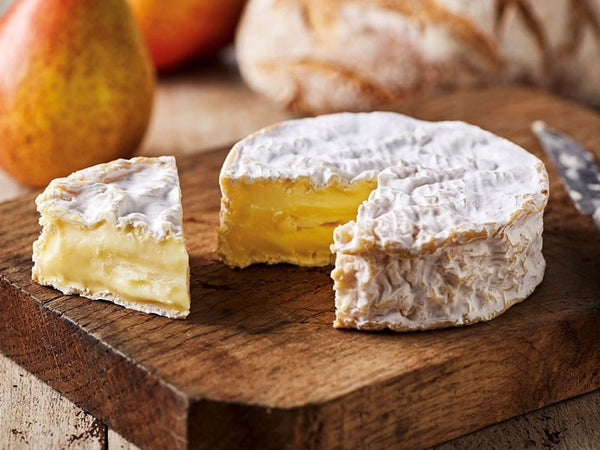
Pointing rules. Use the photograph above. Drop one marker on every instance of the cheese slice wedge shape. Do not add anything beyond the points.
(114, 232)
(430, 224)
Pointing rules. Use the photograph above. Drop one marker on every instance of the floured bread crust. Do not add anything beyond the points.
(319, 56)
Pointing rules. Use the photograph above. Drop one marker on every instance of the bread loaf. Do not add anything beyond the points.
(318, 56)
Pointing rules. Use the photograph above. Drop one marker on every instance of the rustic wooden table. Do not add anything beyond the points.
(203, 109)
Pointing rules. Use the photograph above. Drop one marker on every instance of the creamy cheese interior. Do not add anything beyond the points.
(285, 220)
(121, 265)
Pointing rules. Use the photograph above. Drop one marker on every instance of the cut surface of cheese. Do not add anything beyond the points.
(285, 220)
(449, 223)
(114, 232)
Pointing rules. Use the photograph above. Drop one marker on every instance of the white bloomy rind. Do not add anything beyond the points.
(137, 192)
(453, 233)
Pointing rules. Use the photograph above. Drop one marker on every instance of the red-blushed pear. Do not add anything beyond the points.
(180, 30)
(76, 86)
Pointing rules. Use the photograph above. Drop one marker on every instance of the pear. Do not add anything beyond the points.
(76, 86)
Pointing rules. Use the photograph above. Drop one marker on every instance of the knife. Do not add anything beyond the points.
(576, 166)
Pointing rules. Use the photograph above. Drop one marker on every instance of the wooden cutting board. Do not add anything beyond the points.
(258, 363)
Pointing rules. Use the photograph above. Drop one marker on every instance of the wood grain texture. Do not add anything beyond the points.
(67, 426)
(258, 363)
(117, 442)
(36, 416)
(568, 425)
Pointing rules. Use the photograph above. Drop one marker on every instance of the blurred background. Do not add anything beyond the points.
(199, 104)
(212, 72)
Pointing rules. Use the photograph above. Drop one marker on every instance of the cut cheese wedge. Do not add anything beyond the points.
(430, 224)
(114, 232)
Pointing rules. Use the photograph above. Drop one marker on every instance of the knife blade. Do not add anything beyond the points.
(576, 166)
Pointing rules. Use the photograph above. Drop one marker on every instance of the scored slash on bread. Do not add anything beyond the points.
(319, 56)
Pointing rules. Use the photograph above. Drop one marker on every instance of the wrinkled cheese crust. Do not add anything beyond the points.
(451, 234)
(456, 284)
(113, 232)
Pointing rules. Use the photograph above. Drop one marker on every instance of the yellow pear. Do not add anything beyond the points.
(76, 86)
